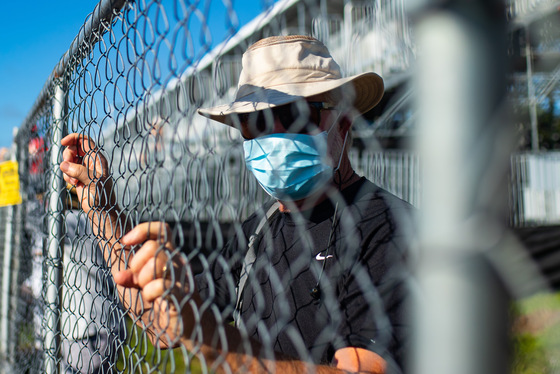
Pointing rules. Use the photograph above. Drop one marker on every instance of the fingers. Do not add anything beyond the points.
(146, 253)
(125, 278)
(147, 230)
(149, 261)
(75, 173)
(81, 142)
(153, 269)
(70, 153)
(72, 181)
(71, 139)
(152, 288)
(157, 288)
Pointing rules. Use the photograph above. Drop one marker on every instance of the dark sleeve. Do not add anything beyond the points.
(373, 295)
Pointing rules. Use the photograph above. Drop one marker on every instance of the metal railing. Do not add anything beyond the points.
(524, 11)
(535, 187)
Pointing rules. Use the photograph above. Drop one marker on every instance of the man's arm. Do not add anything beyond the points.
(86, 168)
(346, 360)
(222, 346)
(238, 360)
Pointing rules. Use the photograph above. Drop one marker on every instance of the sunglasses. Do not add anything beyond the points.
(303, 117)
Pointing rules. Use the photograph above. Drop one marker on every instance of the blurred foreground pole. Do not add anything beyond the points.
(464, 145)
(55, 239)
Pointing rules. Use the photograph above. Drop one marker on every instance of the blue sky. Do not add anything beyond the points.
(36, 33)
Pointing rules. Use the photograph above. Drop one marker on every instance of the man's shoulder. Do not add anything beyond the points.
(385, 221)
(368, 195)
(376, 210)
(251, 222)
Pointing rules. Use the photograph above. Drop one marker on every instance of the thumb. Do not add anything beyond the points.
(125, 278)
(75, 171)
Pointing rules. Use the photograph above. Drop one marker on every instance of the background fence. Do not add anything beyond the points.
(132, 81)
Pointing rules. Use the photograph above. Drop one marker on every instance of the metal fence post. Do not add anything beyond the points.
(9, 280)
(464, 144)
(6, 338)
(55, 238)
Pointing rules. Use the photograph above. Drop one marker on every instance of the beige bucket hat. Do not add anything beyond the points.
(283, 69)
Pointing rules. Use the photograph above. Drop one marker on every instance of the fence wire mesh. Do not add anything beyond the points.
(130, 86)
(181, 293)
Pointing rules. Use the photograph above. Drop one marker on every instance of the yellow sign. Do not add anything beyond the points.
(9, 183)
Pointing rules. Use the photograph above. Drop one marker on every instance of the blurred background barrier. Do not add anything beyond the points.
(132, 80)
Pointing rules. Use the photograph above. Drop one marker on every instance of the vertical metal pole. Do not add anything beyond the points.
(54, 250)
(461, 319)
(5, 328)
(15, 291)
(531, 92)
(9, 285)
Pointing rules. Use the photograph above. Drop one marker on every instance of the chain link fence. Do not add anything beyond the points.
(129, 86)
(131, 82)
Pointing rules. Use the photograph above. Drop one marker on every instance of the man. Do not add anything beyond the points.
(316, 281)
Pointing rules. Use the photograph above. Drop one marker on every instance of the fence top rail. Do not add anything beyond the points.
(538, 154)
(90, 32)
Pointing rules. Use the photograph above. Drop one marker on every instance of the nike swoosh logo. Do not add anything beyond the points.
(320, 257)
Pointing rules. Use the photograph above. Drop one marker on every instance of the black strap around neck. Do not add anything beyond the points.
(250, 258)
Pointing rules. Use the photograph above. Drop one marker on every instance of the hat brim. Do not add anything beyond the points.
(364, 91)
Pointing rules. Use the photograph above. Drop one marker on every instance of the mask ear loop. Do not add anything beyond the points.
(335, 170)
(341, 153)
(343, 144)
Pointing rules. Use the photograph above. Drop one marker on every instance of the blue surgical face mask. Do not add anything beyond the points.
(289, 166)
